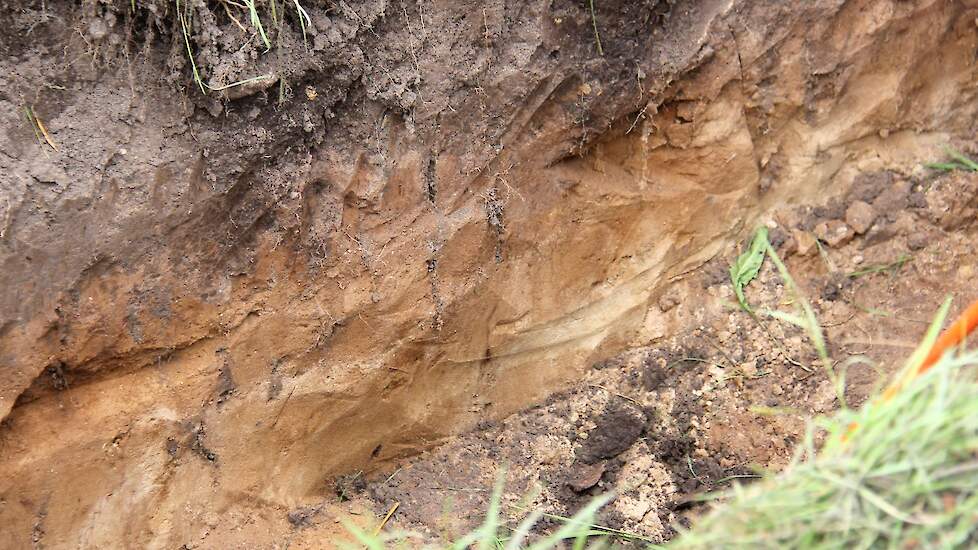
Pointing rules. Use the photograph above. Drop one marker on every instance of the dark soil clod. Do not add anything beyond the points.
(617, 429)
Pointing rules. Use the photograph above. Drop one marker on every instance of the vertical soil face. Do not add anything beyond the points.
(411, 218)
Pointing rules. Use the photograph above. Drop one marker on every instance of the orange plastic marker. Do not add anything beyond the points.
(951, 337)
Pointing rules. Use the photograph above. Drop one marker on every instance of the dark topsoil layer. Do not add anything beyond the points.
(118, 75)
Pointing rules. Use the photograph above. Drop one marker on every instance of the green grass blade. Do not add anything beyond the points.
(944, 166)
(965, 161)
(490, 525)
(572, 527)
(881, 268)
(371, 542)
(256, 22)
(787, 318)
(186, 41)
(523, 530)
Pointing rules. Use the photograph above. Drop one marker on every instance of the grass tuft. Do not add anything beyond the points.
(906, 478)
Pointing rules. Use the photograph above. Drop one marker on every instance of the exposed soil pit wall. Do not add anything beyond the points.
(215, 304)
